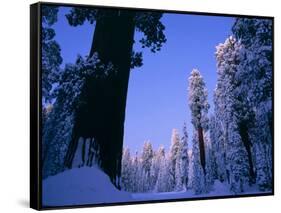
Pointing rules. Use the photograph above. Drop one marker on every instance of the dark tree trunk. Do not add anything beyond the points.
(102, 115)
(243, 130)
(202, 148)
(270, 124)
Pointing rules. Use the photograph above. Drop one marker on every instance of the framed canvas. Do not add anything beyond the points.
(134, 105)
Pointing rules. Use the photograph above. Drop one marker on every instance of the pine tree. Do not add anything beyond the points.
(104, 100)
(173, 160)
(51, 53)
(51, 61)
(178, 170)
(146, 163)
(158, 157)
(210, 163)
(126, 170)
(57, 132)
(199, 107)
(237, 165)
(161, 183)
(231, 109)
(184, 165)
(218, 147)
(255, 79)
(246, 75)
(135, 178)
(197, 175)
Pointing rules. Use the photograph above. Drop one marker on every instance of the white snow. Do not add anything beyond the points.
(79, 186)
(219, 189)
(89, 185)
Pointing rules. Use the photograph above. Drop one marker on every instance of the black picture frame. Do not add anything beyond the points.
(36, 106)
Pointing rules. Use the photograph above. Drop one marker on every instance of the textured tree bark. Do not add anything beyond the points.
(270, 124)
(102, 115)
(202, 148)
(243, 130)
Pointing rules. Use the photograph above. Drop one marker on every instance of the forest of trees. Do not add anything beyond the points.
(84, 107)
(234, 143)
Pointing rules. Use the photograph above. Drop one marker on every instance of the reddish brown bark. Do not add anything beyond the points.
(202, 148)
(244, 133)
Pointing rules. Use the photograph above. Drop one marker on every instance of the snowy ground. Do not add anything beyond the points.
(219, 189)
(87, 185)
(91, 186)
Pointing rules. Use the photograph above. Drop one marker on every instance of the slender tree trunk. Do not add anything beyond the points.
(202, 148)
(243, 129)
(270, 124)
(102, 115)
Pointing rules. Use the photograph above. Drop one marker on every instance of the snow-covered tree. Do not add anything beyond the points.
(178, 170)
(228, 58)
(135, 177)
(230, 102)
(197, 174)
(158, 157)
(255, 80)
(210, 163)
(218, 146)
(146, 163)
(255, 71)
(51, 61)
(161, 183)
(174, 158)
(51, 57)
(199, 107)
(184, 163)
(244, 94)
(126, 171)
(58, 128)
(237, 165)
(104, 100)
(243, 101)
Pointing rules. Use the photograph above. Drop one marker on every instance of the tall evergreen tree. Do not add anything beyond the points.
(58, 127)
(174, 160)
(199, 107)
(184, 166)
(237, 165)
(136, 173)
(161, 183)
(210, 163)
(254, 77)
(178, 170)
(146, 165)
(197, 175)
(126, 170)
(219, 146)
(51, 53)
(156, 165)
(232, 95)
(51, 61)
(105, 102)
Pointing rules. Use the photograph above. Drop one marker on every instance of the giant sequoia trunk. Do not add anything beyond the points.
(202, 148)
(100, 120)
(243, 130)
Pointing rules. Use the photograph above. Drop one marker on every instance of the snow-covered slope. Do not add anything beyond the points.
(86, 185)
(219, 189)
(89, 185)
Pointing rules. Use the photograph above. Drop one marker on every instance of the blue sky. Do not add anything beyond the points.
(157, 95)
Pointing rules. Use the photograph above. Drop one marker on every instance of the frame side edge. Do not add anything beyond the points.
(34, 97)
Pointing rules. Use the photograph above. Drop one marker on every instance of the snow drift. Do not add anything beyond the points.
(89, 185)
(80, 186)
